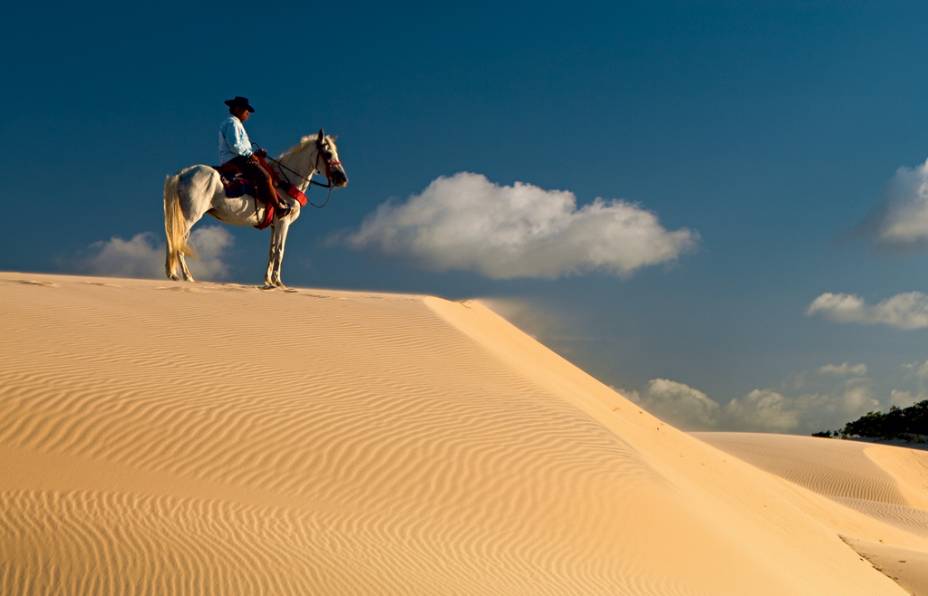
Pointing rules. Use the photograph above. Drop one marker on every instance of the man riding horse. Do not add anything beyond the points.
(237, 154)
(198, 190)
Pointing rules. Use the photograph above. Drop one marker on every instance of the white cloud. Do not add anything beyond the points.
(762, 410)
(903, 218)
(921, 370)
(142, 256)
(136, 257)
(838, 307)
(678, 404)
(467, 222)
(904, 399)
(210, 244)
(772, 411)
(908, 310)
(844, 369)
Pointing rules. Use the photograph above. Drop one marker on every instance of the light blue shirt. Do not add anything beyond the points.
(233, 140)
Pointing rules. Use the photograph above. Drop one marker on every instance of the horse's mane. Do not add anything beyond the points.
(304, 142)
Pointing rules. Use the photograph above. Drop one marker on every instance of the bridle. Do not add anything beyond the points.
(328, 162)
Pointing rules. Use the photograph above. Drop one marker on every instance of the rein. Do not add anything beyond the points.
(309, 179)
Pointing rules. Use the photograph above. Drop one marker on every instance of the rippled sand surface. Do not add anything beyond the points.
(166, 438)
(888, 483)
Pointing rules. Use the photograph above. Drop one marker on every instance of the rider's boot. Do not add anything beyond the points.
(283, 207)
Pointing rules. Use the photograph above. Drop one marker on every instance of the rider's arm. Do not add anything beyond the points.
(237, 138)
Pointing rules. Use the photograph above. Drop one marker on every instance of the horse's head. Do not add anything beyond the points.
(328, 158)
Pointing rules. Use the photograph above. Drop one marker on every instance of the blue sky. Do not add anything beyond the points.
(771, 130)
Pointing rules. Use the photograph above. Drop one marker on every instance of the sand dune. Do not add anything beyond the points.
(907, 567)
(156, 438)
(888, 483)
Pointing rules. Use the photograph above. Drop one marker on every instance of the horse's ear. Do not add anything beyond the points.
(321, 135)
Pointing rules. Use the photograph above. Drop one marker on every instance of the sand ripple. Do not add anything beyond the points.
(221, 439)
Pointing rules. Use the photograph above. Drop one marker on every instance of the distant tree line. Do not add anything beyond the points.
(907, 424)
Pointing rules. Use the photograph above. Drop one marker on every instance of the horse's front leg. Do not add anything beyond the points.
(284, 227)
(273, 251)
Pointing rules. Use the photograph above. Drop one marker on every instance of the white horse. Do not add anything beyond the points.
(197, 190)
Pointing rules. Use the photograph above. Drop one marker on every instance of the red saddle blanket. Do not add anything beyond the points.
(270, 210)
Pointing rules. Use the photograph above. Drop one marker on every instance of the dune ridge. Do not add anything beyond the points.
(156, 438)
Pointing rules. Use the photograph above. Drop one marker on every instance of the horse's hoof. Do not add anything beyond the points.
(268, 286)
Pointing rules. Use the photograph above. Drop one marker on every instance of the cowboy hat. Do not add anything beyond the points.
(239, 101)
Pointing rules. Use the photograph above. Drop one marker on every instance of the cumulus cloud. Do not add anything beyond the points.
(762, 410)
(466, 222)
(918, 369)
(844, 370)
(903, 216)
(143, 256)
(903, 399)
(136, 257)
(678, 404)
(210, 244)
(767, 410)
(908, 310)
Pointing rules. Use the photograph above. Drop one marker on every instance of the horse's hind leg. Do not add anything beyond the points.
(185, 249)
(173, 221)
(170, 267)
(194, 200)
(185, 270)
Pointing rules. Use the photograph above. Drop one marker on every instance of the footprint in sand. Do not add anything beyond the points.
(179, 289)
(101, 284)
(34, 282)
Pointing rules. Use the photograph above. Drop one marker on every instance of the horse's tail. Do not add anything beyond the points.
(175, 226)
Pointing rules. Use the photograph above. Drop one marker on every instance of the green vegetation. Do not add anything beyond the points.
(907, 424)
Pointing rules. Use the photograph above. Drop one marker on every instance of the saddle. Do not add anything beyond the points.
(236, 184)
